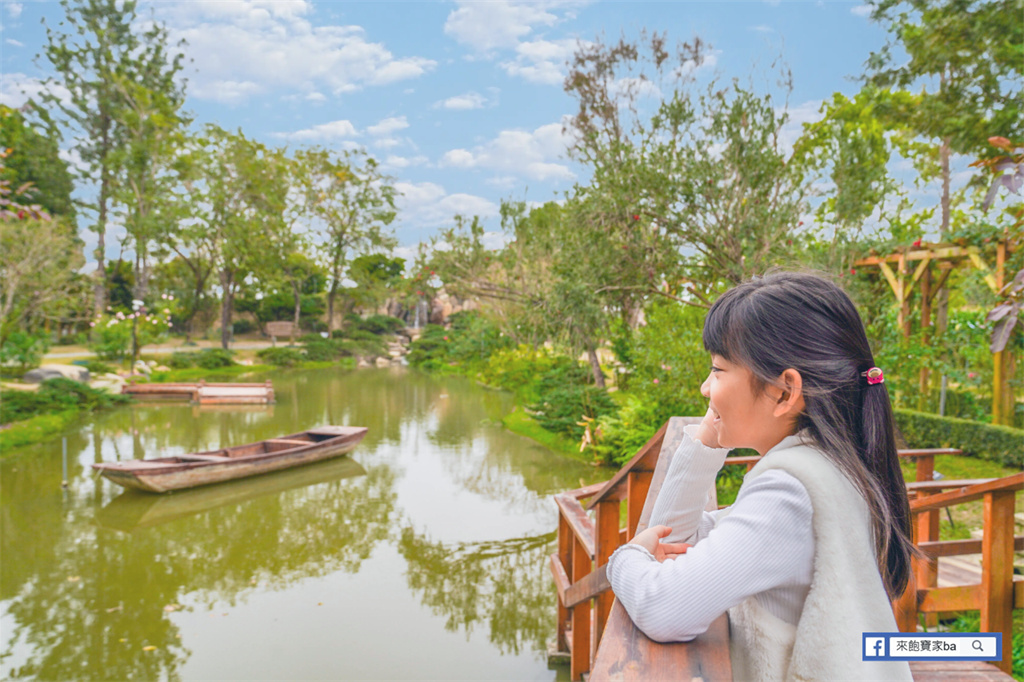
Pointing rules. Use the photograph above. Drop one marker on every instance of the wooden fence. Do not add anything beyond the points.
(601, 640)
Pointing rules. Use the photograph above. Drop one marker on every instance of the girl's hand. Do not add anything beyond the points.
(650, 540)
(706, 432)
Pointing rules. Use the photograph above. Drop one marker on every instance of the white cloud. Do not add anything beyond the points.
(487, 26)
(388, 125)
(404, 162)
(266, 44)
(17, 88)
(316, 97)
(861, 10)
(541, 61)
(469, 100)
(762, 28)
(15, 43)
(533, 155)
(14, 9)
(426, 204)
(325, 131)
(227, 91)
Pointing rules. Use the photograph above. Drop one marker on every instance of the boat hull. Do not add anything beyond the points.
(177, 473)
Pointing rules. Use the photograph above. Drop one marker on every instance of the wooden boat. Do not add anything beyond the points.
(227, 464)
(133, 510)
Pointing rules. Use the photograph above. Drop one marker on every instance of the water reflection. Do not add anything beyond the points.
(96, 583)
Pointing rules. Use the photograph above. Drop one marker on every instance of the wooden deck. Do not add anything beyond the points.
(204, 393)
(601, 641)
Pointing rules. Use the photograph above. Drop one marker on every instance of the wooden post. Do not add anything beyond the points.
(904, 296)
(906, 605)
(997, 571)
(926, 322)
(638, 483)
(564, 556)
(606, 527)
(579, 661)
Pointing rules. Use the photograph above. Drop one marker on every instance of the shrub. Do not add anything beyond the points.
(214, 358)
(52, 396)
(1000, 444)
(180, 360)
(382, 324)
(519, 370)
(280, 356)
(566, 398)
(23, 350)
(431, 351)
(243, 326)
(97, 367)
(327, 350)
(114, 333)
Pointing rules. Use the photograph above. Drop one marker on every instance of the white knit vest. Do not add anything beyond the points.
(846, 596)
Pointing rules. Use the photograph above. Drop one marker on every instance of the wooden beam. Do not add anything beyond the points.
(957, 598)
(561, 578)
(587, 588)
(891, 277)
(578, 521)
(579, 660)
(959, 547)
(968, 494)
(638, 483)
(975, 255)
(606, 524)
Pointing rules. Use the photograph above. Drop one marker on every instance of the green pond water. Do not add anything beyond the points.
(422, 555)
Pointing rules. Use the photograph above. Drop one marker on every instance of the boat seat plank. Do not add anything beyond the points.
(289, 441)
(204, 458)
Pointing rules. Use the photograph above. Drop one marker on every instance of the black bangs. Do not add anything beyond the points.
(723, 326)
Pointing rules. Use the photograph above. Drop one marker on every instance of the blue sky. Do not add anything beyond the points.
(461, 101)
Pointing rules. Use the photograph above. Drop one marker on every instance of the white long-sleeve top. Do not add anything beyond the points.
(763, 548)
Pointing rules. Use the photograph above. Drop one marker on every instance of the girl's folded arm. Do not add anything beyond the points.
(684, 492)
(766, 541)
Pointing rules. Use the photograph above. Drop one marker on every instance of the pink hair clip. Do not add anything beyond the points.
(874, 376)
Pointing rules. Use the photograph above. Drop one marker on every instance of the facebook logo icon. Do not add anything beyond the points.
(874, 647)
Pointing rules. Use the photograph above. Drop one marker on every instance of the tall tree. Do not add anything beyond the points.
(677, 169)
(350, 203)
(97, 46)
(242, 188)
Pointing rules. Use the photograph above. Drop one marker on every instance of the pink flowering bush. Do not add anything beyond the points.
(113, 337)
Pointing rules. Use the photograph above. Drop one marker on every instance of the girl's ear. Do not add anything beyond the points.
(791, 402)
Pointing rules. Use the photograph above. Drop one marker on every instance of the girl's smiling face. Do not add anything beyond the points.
(743, 416)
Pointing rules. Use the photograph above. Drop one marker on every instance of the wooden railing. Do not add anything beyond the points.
(598, 634)
(998, 593)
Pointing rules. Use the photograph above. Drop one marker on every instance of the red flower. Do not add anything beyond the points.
(852, 271)
(800, 224)
(21, 215)
(636, 217)
(917, 243)
(419, 293)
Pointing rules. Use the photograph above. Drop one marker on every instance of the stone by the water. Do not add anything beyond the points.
(44, 372)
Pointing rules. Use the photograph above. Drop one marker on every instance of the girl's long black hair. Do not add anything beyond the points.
(805, 322)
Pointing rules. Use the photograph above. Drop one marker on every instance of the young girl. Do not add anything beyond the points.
(818, 540)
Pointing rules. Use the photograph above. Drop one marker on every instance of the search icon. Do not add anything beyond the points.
(976, 645)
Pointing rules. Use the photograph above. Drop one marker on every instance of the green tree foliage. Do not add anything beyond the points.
(34, 158)
(377, 277)
(96, 51)
(351, 203)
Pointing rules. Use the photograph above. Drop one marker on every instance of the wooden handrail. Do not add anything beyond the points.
(641, 461)
(578, 521)
(968, 494)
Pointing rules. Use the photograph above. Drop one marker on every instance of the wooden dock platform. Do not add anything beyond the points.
(203, 393)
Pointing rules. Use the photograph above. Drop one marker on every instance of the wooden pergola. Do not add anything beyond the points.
(927, 267)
